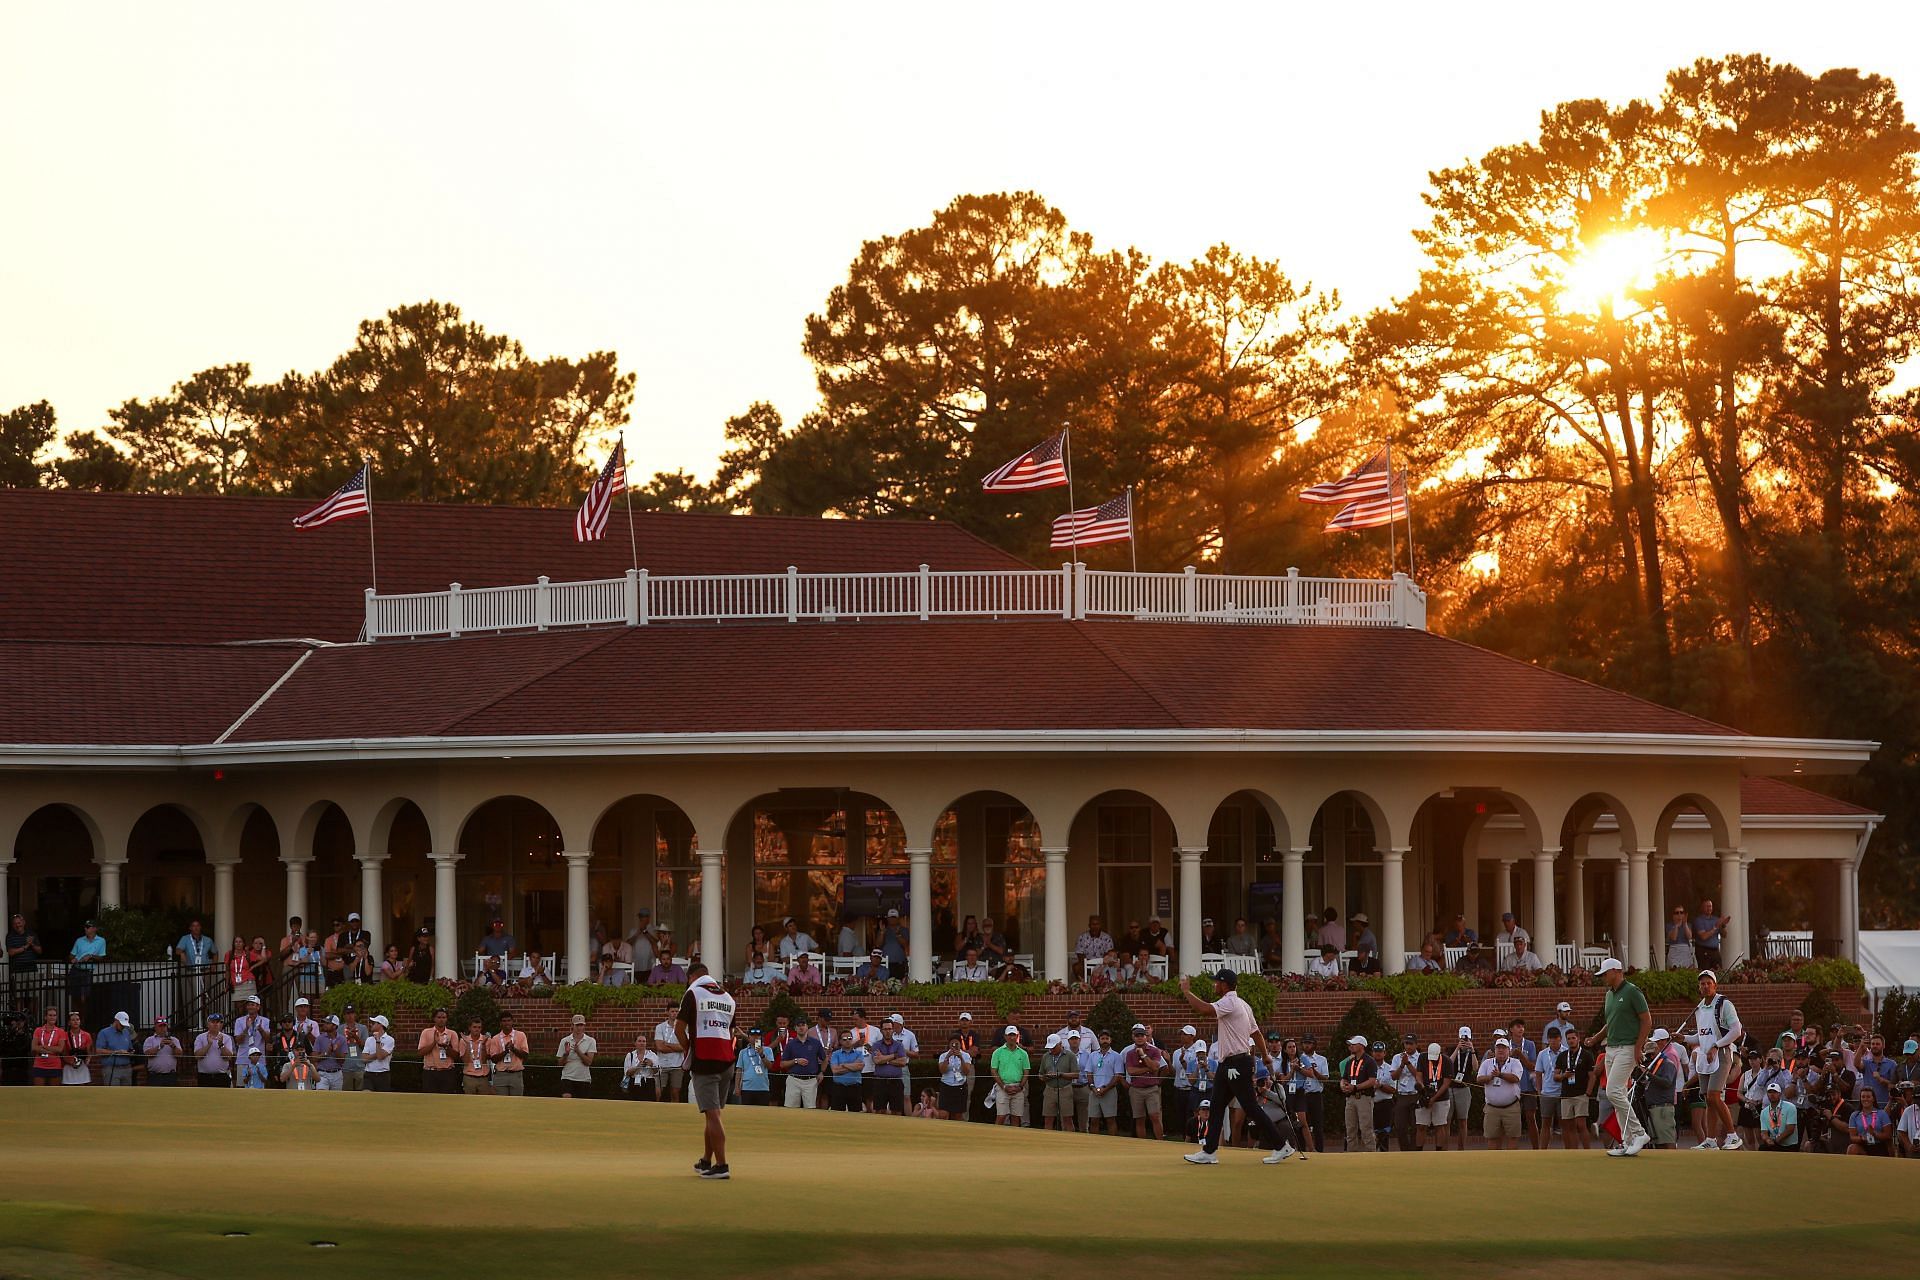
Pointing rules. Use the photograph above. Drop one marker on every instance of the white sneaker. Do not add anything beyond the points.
(1638, 1145)
(1708, 1145)
(1286, 1152)
(1200, 1157)
(1617, 1151)
(1732, 1143)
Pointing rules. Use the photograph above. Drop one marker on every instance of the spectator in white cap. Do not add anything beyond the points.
(1499, 1078)
(875, 969)
(379, 1055)
(114, 1045)
(251, 1030)
(251, 1071)
(1717, 1031)
(1059, 1068)
(1563, 1019)
(303, 1023)
(1143, 1064)
(1660, 1087)
(1463, 1069)
(1189, 1079)
(1358, 1083)
(1625, 1024)
(1524, 959)
(1779, 1121)
(1364, 945)
(1433, 1114)
(904, 1032)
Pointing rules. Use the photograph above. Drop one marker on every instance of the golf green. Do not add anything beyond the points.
(148, 1182)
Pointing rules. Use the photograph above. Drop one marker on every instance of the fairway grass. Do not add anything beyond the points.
(126, 1183)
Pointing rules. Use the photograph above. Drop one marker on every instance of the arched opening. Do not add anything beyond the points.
(644, 859)
(1240, 875)
(53, 881)
(1597, 834)
(1127, 838)
(333, 877)
(1345, 840)
(834, 860)
(1470, 846)
(987, 865)
(1691, 834)
(406, 882)
(167, 865)
(510, 869)
(260, 881)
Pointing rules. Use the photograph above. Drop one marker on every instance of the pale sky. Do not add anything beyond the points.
(187, 185)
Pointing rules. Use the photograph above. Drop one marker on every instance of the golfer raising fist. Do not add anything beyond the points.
(1238, 1039)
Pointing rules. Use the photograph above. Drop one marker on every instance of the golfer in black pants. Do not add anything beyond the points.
(1238, 1039)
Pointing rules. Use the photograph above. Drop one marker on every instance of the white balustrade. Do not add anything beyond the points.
(1073, 591)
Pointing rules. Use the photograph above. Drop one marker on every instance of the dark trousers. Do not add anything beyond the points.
(1187, 1103)
(379, 1082)
(1234, 1080)
(161, 1079)
(1311, 1107)
(439, 1081)
(215, 1080)
(1404, 1105)
(845, 1097)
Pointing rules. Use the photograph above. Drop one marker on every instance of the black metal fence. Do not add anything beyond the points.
(144, 991)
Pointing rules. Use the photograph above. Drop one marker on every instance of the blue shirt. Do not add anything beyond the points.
(1876, 1074)
(1700, 925)
(1549, 1087)
(112, 1042)
(891, 1048)
(199, 950)
(1527, 1054)
(869, 972)
(251, 1075)
(85, 947)
(753, 1062)
(847, 1064)
(1099, 1067)
(805, 1056)
(326, 1052)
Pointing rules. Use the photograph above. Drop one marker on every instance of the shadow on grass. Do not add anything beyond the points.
(61, 1242)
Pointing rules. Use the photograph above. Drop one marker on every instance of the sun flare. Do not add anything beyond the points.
(1609, 271)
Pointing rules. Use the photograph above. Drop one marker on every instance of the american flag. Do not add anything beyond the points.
(1375, 510)
(1111, 521)
(591, 522)
(350, 499)
(1365, 480)
(1042, 467)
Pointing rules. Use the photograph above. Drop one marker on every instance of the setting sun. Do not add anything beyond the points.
(1612, 269)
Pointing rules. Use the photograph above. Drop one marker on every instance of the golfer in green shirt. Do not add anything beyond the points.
(1011, 1065)
(1625, 1024)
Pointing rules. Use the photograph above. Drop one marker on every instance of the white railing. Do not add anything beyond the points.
(1071, 591)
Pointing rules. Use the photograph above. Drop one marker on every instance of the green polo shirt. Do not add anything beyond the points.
(1010, 1064)
(1622, 1016)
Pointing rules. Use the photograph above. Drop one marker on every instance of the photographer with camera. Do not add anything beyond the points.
(1434, 1102)
(1307, 1097)
(1358, 1084)
(1403, 1074)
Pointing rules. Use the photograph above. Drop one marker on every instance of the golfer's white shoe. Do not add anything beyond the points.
(1286, 1152)
(1616, 1151)
(1201, 1157)
(1638, 1145)
(1708, 1145)
(1732, 1143)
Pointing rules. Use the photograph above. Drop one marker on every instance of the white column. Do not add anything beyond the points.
(1544, 926)
(1393, 910)
(713, 920)
(297, 890)
(1849, 939)
(1502, 891)
(1622, 908)
(1293, 918)
(373, 902)
(579, 943)
(1055, 943)
(224, 925)
(1577, 901)
(1470, 888)
(110, 882)
(920, 917)
(6, 907)
(1728, 903)
(1657, 909)
(1637, 909)
(1745, 922)
(446, 927)
(1188, 909)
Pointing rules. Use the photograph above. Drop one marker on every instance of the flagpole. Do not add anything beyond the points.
(1393, 540)
(1073, 531)
(1412, 572)
(373, 555)
(633, 543)
(1133, 544)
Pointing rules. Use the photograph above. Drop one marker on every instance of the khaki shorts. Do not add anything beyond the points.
(1662, 1126)
(1103, 1106)
(1146, 1102)
(1435, 1116)
(1574, 1107)
(1502, 1122)
(1717, 1082)
(712, 1089)
(1550, 1111)
(476, 1084)
(1056, 1103)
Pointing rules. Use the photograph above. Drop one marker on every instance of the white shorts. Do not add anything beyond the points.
(1435, 1116)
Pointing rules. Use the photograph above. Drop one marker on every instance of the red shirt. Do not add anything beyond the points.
(49, 1047)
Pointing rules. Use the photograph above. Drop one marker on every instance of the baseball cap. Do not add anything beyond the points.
(1360, 917)
(1610, 965)
(1774, 1087)
(1208, 920)
(1139, 1028)
(1433, 1051)
(423, 932)
(302, 1000)
(1708, 975)
(121, 1019)
(1273, 1037)
(352, 916)
(1911, 1046)
(893, 913)
(1011, 1031)
(965, 1016)
(159, 1019)
(380, 1018)
(1356, 1039)
(1206, 1104)
(1227, 976)
(1563, 1007)
(1379, 1044)
(1189, 1030)
(896, 1020)
(579, 1019)
(1073, 1035)
(214, 1017)
(1503, 1043)
(1660, 1034)
(1053, 1042)
(254, 1052)
(1408, 1038)
(1466, 1033)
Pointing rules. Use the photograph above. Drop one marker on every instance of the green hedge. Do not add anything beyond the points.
(384, 998)
(1410, 991)
(1007, 997)
(1831, 974)
(1256, 989)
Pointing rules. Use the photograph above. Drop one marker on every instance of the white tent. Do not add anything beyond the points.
(1890, 959)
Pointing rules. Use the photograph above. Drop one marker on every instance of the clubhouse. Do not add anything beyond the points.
(200, 706)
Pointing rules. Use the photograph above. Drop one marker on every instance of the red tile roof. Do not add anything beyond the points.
(1039, 674)
(131, 694)
(199, 569)
(1771, 796)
